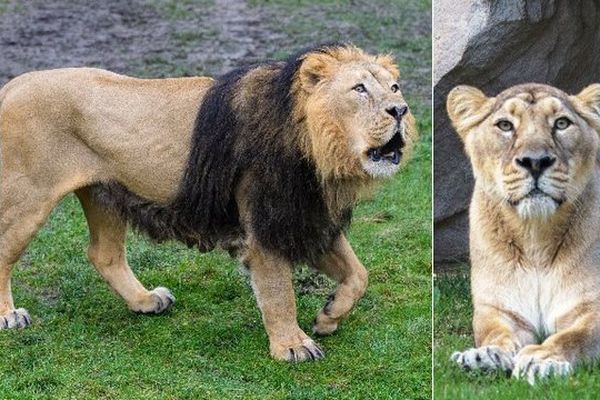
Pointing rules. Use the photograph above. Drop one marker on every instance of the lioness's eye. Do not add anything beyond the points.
(562, 123)
(395, 87)
(505, 125)
(360, 88)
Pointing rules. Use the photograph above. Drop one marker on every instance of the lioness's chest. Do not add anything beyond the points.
(541, 297)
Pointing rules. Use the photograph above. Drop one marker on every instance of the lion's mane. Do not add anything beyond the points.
(259, 137)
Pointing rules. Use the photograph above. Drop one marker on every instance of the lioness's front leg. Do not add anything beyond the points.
(560, 352)
(342, 265)
(272, 283)
(499, 334)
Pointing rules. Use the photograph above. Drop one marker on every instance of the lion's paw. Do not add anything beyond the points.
(323, 324)
(539, 365)
(307, 350)
(18, 318)
(159, 300)
(485, 358)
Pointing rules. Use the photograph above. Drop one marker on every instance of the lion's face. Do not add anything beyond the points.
(532, 147)
(359, 118)
(370, 109)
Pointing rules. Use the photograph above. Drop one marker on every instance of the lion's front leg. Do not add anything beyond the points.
(107, 252)
(499, 334)
(559, 353)
(272, 283)
(342, 265)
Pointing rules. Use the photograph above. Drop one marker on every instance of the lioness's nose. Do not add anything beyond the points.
(397, 111)
(536, 164)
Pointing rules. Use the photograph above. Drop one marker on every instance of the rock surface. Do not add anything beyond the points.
(494, 45)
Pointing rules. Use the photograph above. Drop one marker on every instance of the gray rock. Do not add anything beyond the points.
(498, 44)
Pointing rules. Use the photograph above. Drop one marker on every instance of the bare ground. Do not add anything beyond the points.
(175, 38)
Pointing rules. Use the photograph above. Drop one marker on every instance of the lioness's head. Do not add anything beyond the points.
(532, 147)
(359, 123)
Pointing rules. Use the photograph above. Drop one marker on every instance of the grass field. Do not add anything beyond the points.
(85, 344)
(453, 332)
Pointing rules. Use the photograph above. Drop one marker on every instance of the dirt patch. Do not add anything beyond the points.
(131, 37)
(178, 38)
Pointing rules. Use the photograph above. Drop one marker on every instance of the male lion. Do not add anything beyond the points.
(265, 162)
(535, 227)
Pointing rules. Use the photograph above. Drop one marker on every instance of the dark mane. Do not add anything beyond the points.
(256, 140)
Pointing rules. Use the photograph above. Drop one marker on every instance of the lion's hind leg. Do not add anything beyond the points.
(342, 265)
(24, 209)
(107, 253)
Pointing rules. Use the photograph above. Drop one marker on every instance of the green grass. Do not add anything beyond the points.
(9, 6)
(453, 332)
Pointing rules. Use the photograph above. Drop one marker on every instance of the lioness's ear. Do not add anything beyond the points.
(465, 105)
(387, 62)
(316, 67)
(587, 105)
(589, 98)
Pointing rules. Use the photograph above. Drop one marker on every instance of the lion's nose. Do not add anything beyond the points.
(535, 163)
(397, 112)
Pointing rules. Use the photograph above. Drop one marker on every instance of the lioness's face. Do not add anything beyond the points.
(361, 121)
(532, 147)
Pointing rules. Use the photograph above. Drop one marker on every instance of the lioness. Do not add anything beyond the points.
(534, 227)
(265, 162)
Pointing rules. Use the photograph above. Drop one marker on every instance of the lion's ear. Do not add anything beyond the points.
(316, 67)
(387, 62)
(465, 105)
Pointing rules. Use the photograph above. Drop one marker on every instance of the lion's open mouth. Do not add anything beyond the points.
(391, 151)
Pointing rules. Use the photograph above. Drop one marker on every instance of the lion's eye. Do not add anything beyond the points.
(505, 125)
(395, 87)
(562, 123)
(360, 88)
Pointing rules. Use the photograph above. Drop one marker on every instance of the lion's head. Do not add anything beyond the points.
(359, 124)
(532, 147)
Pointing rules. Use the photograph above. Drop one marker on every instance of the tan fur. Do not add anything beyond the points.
(535, 275)
(64, 130)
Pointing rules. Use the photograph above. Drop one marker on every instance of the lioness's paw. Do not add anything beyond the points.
(307, 350)
(158, 300)
(485, 358)
(18, 318)
(535, 364)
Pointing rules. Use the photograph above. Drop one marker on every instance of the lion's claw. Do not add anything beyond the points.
(18, 318)
(308, 351)
(159, 300)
